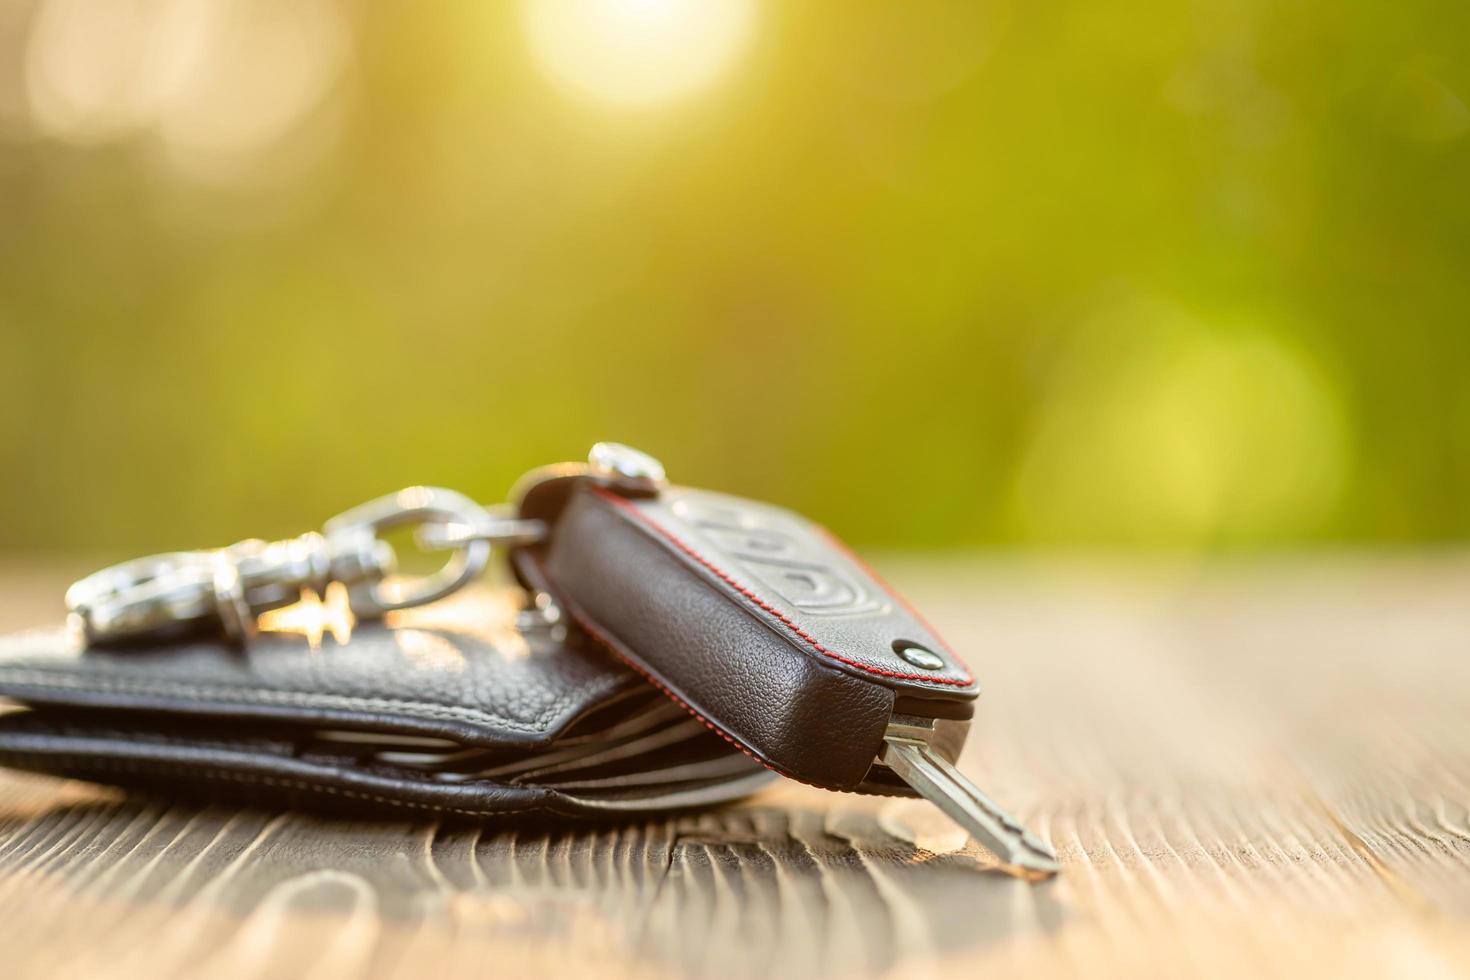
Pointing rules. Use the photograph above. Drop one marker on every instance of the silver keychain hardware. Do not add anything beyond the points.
(610, 464)
(428, 507)
(230, 587)
(617, 463)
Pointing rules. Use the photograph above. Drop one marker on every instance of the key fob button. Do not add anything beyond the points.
(755, 543)
(918, 656)
(822, 591)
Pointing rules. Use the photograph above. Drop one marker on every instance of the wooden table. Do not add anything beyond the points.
(1247, 770)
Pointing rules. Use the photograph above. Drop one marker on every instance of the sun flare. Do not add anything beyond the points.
(637, 52)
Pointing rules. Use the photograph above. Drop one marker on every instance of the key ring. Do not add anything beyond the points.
(429, 507)
(230, 587)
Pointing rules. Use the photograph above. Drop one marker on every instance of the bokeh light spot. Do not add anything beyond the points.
(1169, 430)
(637, 52)
(225, 87)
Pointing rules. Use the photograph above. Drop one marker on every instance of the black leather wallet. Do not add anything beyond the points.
(449, 708)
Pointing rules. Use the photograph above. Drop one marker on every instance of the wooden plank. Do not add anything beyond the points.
(1255, 770)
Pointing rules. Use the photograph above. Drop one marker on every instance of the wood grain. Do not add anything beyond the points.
(1252, 770)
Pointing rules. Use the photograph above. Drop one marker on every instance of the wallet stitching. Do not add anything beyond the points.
(221, 694)
(167, 769)
(781, 617)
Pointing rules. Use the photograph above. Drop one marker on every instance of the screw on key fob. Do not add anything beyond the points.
(768, 629)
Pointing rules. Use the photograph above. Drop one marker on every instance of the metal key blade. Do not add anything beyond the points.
(1020, 852)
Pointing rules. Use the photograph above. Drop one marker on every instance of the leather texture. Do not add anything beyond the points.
(453, 674)
(755, 619)
(207, 719)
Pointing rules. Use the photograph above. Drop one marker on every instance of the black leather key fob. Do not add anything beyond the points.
(755, 619)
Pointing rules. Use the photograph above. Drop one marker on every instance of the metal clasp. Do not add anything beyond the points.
(230, 587)
(429, 507)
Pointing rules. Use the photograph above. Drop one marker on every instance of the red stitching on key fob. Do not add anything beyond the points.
(853, 556)
(780, 616)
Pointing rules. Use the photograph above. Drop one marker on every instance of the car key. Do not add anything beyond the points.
(767, 629)
(757, 621)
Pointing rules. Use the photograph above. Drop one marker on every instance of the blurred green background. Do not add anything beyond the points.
(1143, 275)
